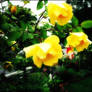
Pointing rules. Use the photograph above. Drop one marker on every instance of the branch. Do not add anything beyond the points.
(39, 20)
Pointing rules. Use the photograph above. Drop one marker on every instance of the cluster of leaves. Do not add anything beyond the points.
(26, 82)
(13, 29)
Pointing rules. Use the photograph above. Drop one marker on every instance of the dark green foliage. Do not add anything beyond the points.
(36, 79)
(16, 27)
(80, 86)
(30, 82)
(78, 29)
(75, 21)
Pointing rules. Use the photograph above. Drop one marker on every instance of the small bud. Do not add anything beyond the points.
(13, 48)
(13, 9)
(7, 65)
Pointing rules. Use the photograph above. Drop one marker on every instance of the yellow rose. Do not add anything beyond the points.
(59, 13)
(46, 53)
(78, 40)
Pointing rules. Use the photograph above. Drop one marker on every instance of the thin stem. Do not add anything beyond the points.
(39, 20)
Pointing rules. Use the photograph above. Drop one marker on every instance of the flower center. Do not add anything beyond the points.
(61, 16)
(82, 42)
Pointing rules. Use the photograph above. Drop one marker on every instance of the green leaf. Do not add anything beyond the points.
(39, 5)
(75, 21)
(45, 1)
(5, 26)
(26, 1)
(31, 28)
(23, 25)
(86, 24)
(68, 26)
(61, 34)
(13, 36)
(47, 26)
(13, 17)
(58, 27)
(30, 36)
(35, 41)
(78, 29)
(43, 33)
(25, 36)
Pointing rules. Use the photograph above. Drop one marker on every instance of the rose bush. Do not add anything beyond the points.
(46, 57)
